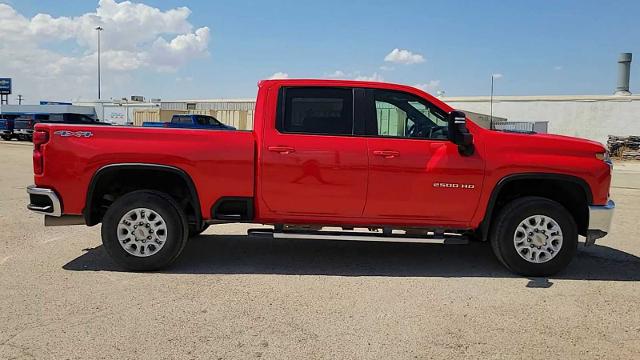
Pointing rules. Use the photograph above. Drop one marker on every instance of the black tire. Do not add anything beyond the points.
(167, 208)
(193, 231)
(504, 228)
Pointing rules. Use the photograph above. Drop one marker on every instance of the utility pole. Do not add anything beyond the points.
(20, 97)
(493, 77)
(99, 30)
(491, 106)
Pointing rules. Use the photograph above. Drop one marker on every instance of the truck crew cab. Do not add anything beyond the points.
(377, 161)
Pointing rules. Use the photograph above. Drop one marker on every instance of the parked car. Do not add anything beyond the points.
(323, 153)
(191, 121)
(23, 124)
(6, 127)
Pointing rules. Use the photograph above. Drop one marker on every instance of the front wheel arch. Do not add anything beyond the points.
(571, 192)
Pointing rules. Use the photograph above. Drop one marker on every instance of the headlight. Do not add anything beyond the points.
(606, 158)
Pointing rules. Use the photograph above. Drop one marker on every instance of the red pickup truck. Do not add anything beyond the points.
(328, 159)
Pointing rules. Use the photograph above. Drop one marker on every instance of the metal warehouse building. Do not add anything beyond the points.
(234, 112)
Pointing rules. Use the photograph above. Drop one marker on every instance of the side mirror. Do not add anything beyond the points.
(459, 134)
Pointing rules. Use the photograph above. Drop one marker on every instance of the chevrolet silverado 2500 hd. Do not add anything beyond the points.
(389, 159)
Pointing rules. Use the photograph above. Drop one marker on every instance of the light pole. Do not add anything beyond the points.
(493, 76)
(99, 30)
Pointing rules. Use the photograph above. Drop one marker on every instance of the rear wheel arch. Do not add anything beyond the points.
(570, 191)
(101, 191)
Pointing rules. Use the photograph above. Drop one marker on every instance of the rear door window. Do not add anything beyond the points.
(55, 118)
(321, 111)
(202, 120)
(182, 120)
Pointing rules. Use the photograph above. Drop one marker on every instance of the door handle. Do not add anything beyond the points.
(387, 154)
(281, 149)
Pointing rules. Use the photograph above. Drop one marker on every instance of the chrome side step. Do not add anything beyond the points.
(449, 239)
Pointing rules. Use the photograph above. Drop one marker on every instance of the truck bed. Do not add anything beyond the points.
(218, 168)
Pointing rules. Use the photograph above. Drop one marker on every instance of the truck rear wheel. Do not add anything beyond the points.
(144, 230)
(534, 236)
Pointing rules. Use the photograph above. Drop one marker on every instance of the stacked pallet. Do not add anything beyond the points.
(624, 147)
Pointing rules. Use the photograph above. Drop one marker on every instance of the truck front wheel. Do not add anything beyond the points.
(534, 236)
(144, 230)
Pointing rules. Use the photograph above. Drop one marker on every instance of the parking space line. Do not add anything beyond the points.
(52, 239)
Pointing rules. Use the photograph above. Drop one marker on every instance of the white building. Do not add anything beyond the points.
(592, 117)
(121, 112)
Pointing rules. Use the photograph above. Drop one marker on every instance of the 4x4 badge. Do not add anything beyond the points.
(78, 134)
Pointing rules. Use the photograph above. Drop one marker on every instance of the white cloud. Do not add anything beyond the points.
(558, 67)
(357, 75)
(431, 86)
(497, 76)
(36, 51)
(405, 57)
(387, 68)
(338, 74)
(373, 77)
(279, 75)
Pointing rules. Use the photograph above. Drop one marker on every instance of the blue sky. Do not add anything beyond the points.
(540, 47)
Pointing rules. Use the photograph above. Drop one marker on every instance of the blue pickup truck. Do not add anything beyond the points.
(191, 121)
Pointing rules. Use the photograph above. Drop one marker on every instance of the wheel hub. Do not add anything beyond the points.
(142, 232)
(538, 238)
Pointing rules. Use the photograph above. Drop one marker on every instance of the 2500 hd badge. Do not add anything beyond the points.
(453, 185)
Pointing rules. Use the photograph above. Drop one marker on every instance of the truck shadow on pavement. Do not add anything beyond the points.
(239, 254)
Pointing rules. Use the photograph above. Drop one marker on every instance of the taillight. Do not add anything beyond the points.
(39, 138)
(30, 124)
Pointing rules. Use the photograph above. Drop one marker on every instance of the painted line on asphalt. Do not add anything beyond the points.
(52, 239)
(625, 187)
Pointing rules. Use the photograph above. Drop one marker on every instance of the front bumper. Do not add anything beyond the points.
(23, 131)
(44, 201)
(600, 217)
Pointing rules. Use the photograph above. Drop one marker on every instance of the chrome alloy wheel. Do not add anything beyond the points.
(538, 239)
(142, 232)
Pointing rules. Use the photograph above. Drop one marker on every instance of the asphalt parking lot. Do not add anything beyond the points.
(233, 297)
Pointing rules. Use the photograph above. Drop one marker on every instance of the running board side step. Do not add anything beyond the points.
(357, 236)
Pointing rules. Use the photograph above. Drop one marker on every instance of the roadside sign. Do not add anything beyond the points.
(5, 86)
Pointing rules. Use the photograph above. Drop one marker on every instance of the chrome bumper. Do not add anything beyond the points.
(44, 201)
(600, 217)
(23, 131)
